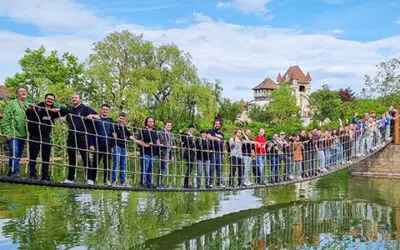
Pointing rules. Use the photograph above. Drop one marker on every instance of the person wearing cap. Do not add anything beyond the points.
(285, 155)
(149, 143)
(189, 152)
(203, 146)
(104, 141)
(121, 136)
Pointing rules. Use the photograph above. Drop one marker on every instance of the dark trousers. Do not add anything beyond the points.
(77, 144)
(236, 163)
(103, 153)
(189, 169)
(35, 145)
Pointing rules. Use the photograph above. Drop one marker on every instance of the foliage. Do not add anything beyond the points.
(347, 95)
(136, 76)
(385, 84)
(326, 103)
(43, 73)
(283, 107)
(260, 114)
(229, 109)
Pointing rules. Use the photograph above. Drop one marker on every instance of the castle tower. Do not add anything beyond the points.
(262, 92)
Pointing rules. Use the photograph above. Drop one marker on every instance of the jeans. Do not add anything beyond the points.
(298, 165)
(200, 166)
(260, 168)
(378, 137)
(216, 165)
(247, 161)
(369, 143)
(327, 158)
(341, 153)
(274, 175)
(16, 150)
(189, 169)
(361, 144)
(147, 163)
(334, 152)
(163, 170)
(321, 159)
(34, 147)
(119, 158)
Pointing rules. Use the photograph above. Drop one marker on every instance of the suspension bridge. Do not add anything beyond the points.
(322, 157)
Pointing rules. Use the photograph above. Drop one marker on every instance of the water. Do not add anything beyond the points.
(335, 212)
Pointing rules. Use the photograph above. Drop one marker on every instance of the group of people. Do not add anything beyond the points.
(289, 157)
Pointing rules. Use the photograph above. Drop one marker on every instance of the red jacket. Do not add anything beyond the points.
(261, 141)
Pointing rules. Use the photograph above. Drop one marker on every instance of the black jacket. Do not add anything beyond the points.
(40, 121)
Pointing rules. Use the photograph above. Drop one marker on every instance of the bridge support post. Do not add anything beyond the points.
(396, 137)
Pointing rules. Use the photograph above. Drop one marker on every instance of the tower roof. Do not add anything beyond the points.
(268, 83)
(279, 79)
(295, 73)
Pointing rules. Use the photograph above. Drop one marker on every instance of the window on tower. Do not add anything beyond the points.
(302, 88)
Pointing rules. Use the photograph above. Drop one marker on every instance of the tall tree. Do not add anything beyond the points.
(42, 72)
(135, 75)
(385, 84)
(326, 103)
(283, 107)
(230, 109)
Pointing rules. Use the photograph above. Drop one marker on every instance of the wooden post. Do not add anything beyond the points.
(396, 137)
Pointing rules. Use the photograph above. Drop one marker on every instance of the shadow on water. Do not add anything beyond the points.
(336, 211)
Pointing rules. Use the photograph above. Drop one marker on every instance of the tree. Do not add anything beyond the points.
(135, 75)
(347, 95)
(260, 114)
(326, 103)
(229, 109)
(43, 73)
(385, 84)
(283, 107)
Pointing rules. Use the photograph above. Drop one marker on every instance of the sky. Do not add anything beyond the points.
(240, 42)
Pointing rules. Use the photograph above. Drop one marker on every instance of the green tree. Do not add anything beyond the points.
(229, 109)
(260, 114)
(42, 73)
(385, 84)
(136, 76)
(326, 103)
(283, 107)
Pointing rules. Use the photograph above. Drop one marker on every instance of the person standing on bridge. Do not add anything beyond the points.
(121, 135)
(260, 141)
(148, 142)
(273, 149)
(217, 146)
(40, 123)
(80, 134)
(105, 133)
(166, 152)
(13, 125)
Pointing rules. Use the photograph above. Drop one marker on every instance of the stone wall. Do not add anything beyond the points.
(385, 163)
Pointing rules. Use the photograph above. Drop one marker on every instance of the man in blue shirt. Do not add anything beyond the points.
(104, 144)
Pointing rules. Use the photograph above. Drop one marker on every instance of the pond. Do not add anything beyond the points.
(335, 212)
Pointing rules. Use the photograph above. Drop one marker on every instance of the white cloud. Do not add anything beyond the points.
(247, 6)
(60, 15)
(397, 21)
(200, 17)
(241, 56)
(337, 31)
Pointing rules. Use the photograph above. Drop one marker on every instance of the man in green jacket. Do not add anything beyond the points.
(13, 125)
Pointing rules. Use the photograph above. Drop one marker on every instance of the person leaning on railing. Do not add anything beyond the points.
(40, 123)
(13, 126)
(80, 134)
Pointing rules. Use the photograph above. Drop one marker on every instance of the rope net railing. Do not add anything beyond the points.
(115, 155)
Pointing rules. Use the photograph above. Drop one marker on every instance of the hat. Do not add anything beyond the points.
(192, 125)
(282, 133)
(122, 114)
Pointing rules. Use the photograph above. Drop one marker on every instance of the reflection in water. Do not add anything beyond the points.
(330, 214)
